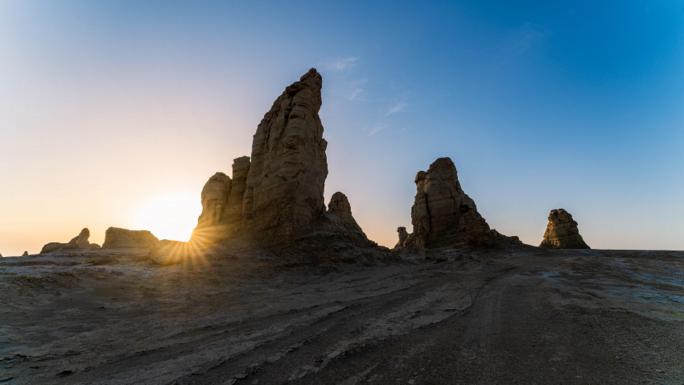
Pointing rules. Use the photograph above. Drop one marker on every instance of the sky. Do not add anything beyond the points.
(115, 113)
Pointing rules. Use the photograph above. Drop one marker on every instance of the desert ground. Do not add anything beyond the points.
(518, 317)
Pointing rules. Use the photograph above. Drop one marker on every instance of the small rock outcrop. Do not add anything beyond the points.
(335, 236)
(116, 238)
(562, 232)
(339, 211)
(25, 254)
(80, 242)
(214, 199)
(403, 235)
(443, 215)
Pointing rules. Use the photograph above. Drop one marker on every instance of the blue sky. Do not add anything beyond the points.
(540, 105)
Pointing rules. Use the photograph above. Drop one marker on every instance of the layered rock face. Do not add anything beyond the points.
(214, 199)
(443, 215)
(80, 242)
(562, 232)
(277, 194)
(284, 187)
(335, 236)
(123, 238)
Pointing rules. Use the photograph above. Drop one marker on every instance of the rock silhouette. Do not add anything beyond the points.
(80, 242)
(403, 235)
(284, 190)
(339, 210)
(275, 197)
(562, 232)
(25, 254)
(123, 238)
(443, 215)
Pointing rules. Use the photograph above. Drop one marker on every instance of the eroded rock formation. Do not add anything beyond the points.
(276, 196)
(123, 238)
(403, 235)
(443, 215)
(284, 186)
(214, 199)
(80, 242)
(339, 211)
(562, 232)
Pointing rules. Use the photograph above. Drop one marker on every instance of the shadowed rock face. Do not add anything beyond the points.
(334, 236)
(403, 235)
(340, 208)
(284, 187)
(76, 243)
(277, 194)
(214, 199)
(443, 215)
(562, 232)
(233, 213)
(123, 238)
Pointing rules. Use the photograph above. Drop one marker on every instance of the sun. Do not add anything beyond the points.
(169, 215)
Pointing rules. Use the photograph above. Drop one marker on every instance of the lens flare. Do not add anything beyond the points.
(169, 215)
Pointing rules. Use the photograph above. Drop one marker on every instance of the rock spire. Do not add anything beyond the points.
(562, 232)
(443, 215)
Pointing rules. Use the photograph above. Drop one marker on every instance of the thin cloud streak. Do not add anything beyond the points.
(396, 108)
(343, 64)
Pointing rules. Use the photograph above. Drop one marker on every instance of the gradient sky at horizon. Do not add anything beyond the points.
(115, 113)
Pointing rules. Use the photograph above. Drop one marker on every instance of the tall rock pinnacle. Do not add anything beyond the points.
(284, 190)
(276, 194)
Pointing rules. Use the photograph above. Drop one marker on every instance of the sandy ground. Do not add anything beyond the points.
(529, 317)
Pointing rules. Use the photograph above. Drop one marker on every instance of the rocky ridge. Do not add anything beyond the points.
(80, 242)
(116, 238)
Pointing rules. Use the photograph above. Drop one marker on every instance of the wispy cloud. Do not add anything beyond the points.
(376, 128)
(343, 64)
(356, 89)
(356, 92)
(396, 108)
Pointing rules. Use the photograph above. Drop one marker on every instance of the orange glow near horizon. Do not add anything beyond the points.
(168, 216)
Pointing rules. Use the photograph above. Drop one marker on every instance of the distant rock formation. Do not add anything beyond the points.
(339, 211)
(25, 254)
(443, 215)
(403, 235)
(562, 232)
(275, 198)
(123, 238)
(80, 242)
